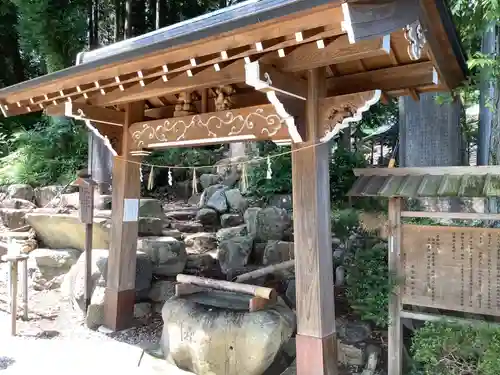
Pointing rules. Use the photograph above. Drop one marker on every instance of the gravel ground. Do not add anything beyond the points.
(54, 340)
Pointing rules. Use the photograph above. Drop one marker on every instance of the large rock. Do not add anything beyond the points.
(277, 252)
(74, 282)
(231, 220)
(204, 340)
(60, 231)
(184, 214)
(18, 204)
(208, 192)
(234, 253)
(51, 266)
(268, 223)
(201, 243)
(45, 195)
(228, 233)
(55, 258)
(236, 202)
(20, 191)
(207, 216)
(150, 208)
(167, 254)
(187, 226)
(14, 218)
(94, 317)
(218, 201)
(150, 226)
(162, 290)
(202, 265)
(208, 179)
(282, 201)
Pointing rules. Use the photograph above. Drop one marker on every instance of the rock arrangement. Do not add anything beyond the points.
(217, 235)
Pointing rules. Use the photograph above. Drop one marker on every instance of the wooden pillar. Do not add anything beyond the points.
(120, 289)
(316, 335)
(395, 349)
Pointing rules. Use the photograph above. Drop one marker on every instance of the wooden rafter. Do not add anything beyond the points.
(334, 50)
(387, 79)
(179, 59)
(87, 112)
(306, 55)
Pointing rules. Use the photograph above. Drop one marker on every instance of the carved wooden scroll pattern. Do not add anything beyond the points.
(251, 123)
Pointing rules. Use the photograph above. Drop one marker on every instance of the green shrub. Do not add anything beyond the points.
(186, 157)
(344, 222)
(369, 283)
(49, 153)
(455, 349)
(341, 165)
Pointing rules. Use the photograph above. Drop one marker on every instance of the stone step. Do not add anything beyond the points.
(187, 226)
(181, 215)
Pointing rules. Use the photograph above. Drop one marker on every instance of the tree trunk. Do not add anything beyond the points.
(118, 27)
(138, 17)
(486, 98)
(95, 24)
(128, 19)
(152, 14)
(90, 23)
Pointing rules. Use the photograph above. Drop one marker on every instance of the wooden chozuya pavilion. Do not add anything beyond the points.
(291, 71)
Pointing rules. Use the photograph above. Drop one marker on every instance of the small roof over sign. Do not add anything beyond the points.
(427, 182)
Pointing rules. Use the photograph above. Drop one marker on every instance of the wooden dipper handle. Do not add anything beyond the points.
(257, 291)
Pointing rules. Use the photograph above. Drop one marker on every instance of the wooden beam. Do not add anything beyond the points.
(120, 289)
(292, 90)
(302, 58)
(81, 111)
(336, 51)
(316, 335)
(369, 19)
(440, 42)
(266, 78)
(235, 125)
(387, 79)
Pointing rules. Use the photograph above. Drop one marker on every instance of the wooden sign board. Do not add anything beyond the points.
(86, 203)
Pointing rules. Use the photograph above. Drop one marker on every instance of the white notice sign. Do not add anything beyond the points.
(130, 210)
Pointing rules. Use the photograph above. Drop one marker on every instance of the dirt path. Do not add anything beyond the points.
(55, 341)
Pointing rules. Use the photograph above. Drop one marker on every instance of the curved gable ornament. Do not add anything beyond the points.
(339, 111)
(414, 34)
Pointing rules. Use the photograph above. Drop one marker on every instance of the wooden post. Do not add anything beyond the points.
(120, 290)
(86, 187)
(395, 362)
(316, 334)
(13, 301)
(25, 289)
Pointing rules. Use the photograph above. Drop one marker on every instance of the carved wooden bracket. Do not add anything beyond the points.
(336, 113)
(244, 124)
(185, 106)
(273, 83)
(223, 98)
(414, 34)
